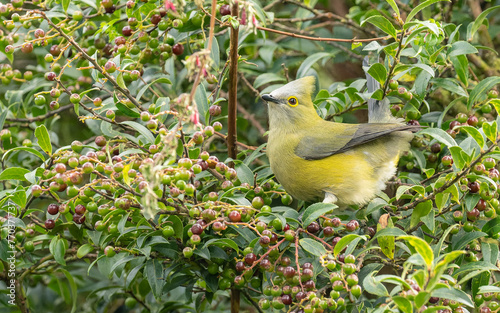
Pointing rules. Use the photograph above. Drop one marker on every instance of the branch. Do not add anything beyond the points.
(233, 88)
(353, 40)
(40, 117)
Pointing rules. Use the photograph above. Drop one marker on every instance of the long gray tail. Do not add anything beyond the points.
(378, 110)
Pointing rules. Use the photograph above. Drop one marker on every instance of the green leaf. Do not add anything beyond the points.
(163, 80)
(378, 72)
(72, 286)
(450, 85)
(440, 135)
(389, 231)
(344, 242)
(244, 173)
(27, 149)
(474, 266)
(481, 89)
(142, 130)
(127, 111)
(461, 66)
(491, 130)
(480, 19)
(488, 289)
(453, 294)
(404, 305)
(490, 252)
(437, 248)
(201, 99)
(496, 104)
(394, 280)
(310, 61)
(312, 246)
(462, 241)
(460, 48)
(84, 250)
(65, 5)
(267, 78)
(154, 273)
(374, 287)
(214, 52)
(383, 24)
(176, 223)
(42, 135)
(223, 242)
(419, 8)
(315, 211)
(422, 248)
(492, 226)
(457, 155)
(16, 173)
(421, 298)
(475, 134)
(421, 210)
(393, 5)
(57, 248)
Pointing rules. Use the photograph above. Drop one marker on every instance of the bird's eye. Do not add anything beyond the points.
(292, 101)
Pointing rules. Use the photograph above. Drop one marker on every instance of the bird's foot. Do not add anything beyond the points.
(330, 198)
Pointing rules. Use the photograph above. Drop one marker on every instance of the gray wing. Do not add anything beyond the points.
(317, 147)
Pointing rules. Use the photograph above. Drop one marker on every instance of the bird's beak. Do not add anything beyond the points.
(269, 98)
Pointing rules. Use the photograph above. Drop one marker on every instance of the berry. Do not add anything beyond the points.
(74, 98)
(250, 258)
(80, 209)
(49, 224)
(473, 215)
(110, 67)
(393, 84)
(235, 216)
(225, 9)
(472, 120)
(127, 31)
(53, 209)
(50, 76)
(177, 49)
(313, 227)
(109, 251)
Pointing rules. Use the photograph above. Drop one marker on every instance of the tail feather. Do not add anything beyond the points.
(378, 110)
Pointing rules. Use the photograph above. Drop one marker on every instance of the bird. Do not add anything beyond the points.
(339, 163)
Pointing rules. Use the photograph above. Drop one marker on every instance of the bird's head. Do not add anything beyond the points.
(292, 103)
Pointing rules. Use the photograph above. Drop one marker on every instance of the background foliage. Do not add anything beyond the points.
(134, 176)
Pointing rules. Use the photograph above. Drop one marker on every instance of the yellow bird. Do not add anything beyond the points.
(338, 163)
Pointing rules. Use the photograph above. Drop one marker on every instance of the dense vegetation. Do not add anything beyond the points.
(134, 176)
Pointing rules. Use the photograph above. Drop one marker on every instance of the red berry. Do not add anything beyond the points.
(79, 219)
(49, 224)
(27, 47)
(235, 216)
(313, 228)
(53, 209)
(177, 49)
(474, 187)
(225, 10)
(473, 214)
(50, 76)
(472, 120)
(127, 31)
(55, 50)
(80, 209)
(250, 258)
(155, 19)
(197, 229)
